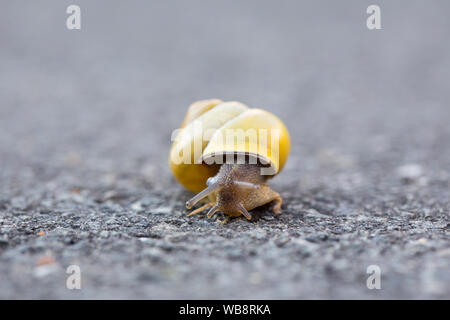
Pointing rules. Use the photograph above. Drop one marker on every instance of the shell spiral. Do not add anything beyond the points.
(203, 137)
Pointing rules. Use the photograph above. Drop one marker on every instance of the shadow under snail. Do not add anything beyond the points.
(229, 172)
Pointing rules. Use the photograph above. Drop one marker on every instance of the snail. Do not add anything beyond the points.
(226, 152)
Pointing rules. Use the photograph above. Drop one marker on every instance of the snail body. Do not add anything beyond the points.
(238, 184)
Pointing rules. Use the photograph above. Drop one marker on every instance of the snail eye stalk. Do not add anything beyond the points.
(202, 194)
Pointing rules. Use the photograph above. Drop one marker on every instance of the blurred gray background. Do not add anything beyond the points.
(86, 118)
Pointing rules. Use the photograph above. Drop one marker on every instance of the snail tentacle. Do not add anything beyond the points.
(212, 211)
(202, 194)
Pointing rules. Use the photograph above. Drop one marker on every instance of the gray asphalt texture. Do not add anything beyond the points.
(86, 119)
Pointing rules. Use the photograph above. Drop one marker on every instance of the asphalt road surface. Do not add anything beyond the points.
(86, 118)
